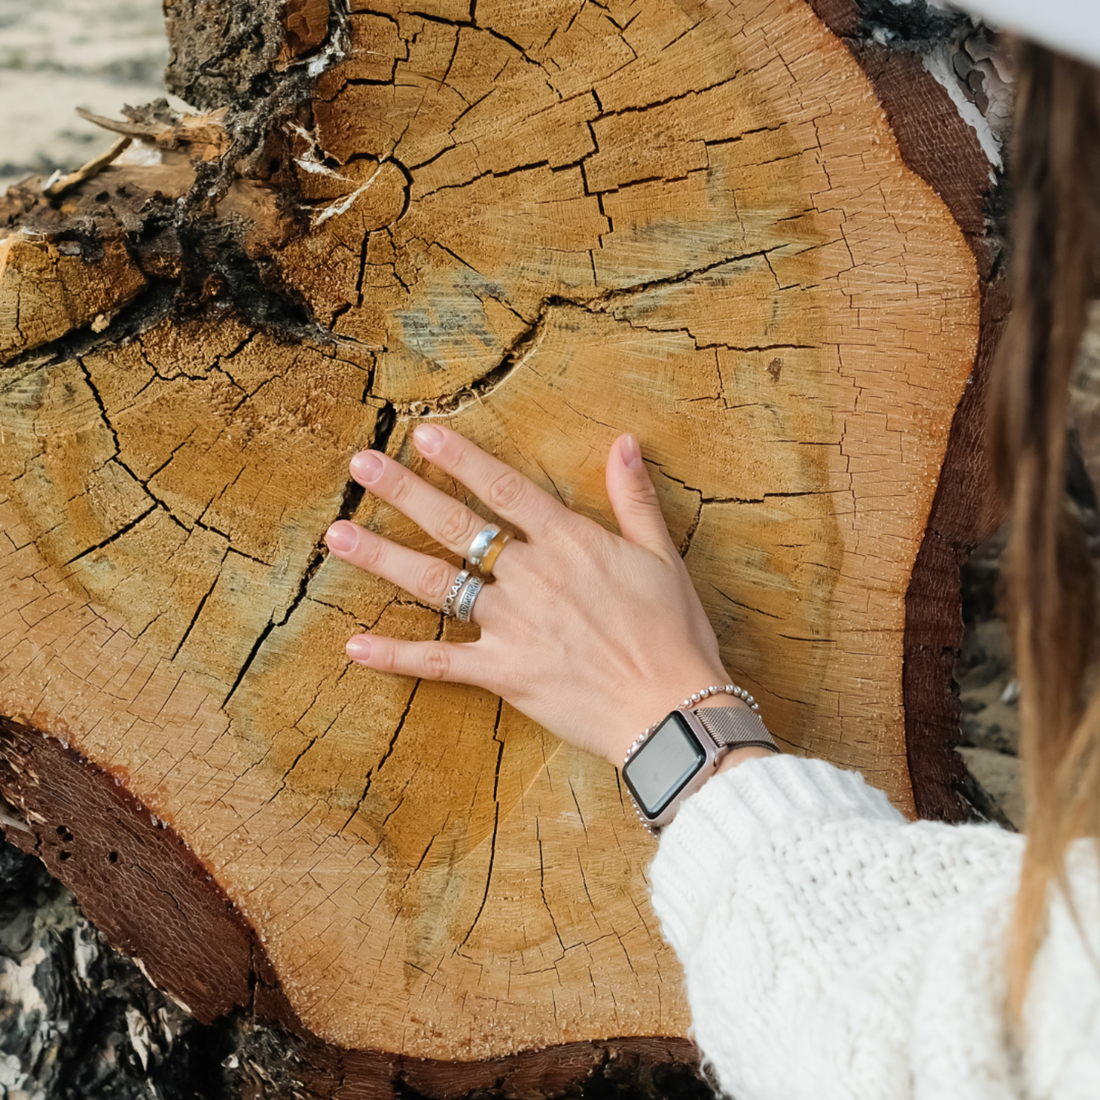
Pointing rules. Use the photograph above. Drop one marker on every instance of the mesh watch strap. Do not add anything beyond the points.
(735, 727)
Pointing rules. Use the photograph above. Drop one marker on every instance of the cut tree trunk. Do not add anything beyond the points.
(712, 224)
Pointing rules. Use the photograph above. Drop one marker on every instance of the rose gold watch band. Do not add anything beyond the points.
(735, 727)
(715, 732)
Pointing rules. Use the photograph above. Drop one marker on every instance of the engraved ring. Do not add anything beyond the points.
(481, 543)
(452, 592)
(470, 591)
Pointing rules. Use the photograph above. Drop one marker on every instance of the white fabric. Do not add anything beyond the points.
(1072, 26)
(831, 949)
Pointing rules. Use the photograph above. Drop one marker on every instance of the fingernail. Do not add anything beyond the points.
(358, 648)
(366, 466)
(632, 456)
(341, 537)
(428, 438)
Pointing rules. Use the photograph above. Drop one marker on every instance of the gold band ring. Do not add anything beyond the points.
(492, 552)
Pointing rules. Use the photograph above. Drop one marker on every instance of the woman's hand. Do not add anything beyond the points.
(592, 635)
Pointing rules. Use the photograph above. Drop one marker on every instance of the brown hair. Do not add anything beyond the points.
(1055, 175)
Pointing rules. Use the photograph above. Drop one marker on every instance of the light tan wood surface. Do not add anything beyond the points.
(687, 220)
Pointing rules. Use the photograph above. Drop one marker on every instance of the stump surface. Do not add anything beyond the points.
(545, 225)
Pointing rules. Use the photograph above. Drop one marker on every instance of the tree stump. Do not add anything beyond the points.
(544, 224)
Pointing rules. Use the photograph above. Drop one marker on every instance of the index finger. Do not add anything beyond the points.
(507, 492)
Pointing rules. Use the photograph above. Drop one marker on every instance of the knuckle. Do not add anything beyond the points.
(371, 552)
(454, 526)
(436, 661)
(589, 537)
(510, 682)
(400, 487)
(506, 490)
(551, 585)
(436, 580)
(641, 494)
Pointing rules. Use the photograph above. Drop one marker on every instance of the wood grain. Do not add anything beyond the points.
(565, 221)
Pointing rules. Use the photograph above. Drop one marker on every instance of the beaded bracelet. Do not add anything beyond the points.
(729, 689)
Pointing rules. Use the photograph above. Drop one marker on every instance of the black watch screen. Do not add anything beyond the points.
(664, 763)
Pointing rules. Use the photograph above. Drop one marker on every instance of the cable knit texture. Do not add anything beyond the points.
(832, 949)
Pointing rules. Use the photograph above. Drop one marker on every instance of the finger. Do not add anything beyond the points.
(425, 577)
(458, 662)
(447, 520)
(512, 496)
(634, 499)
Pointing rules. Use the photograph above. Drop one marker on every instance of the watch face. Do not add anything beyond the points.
(661, 768)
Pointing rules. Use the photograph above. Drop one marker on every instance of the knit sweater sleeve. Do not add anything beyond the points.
(807, 914)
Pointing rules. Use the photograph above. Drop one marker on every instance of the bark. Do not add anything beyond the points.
(758, 245)
(77, 1019)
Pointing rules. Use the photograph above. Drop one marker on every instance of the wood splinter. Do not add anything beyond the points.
(57, 184)
(205, 134)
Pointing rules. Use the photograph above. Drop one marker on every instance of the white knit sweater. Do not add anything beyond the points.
(831, 949)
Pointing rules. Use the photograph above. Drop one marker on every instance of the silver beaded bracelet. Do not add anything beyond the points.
(729, 689)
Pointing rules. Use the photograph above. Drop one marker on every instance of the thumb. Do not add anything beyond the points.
(634, 499)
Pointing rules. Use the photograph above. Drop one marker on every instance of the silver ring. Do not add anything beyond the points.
(470, 591)
(452, 592)
(481, 543)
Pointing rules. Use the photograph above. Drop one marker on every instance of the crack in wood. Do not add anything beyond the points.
(385, 756)
(125, 529)
(496, 827)
(542, 883)
(148, 308)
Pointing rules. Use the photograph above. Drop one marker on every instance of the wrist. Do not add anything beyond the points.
(674, 758)
(739, 756)
(617, 752)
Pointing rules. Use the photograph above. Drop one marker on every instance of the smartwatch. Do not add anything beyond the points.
(674, 758)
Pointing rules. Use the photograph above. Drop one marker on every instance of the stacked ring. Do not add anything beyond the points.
(470, 592)
(492, 552)
(452, 592)
(482, 541)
